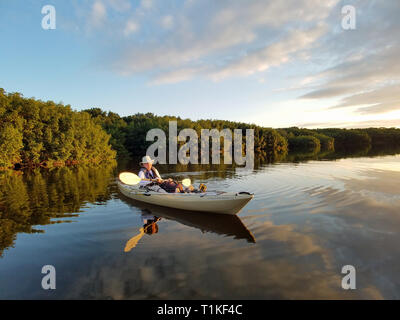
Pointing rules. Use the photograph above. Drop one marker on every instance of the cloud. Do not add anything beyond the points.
(360, 74)
(349, 124)
(217, 40)
(273, 55)
(167, 22)
(98, 14)
(130, 27)
(384, 99)
(256, 61)
(208, 38)
(366, 72)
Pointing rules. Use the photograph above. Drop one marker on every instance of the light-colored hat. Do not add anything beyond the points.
(146, 159)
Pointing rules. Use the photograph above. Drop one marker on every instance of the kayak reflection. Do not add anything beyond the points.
(228, 225)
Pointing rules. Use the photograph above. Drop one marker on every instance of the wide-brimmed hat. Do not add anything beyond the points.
(146, 159)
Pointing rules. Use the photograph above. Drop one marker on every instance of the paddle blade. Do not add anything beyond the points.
(132, 242)
(186, 182)
(129, 178)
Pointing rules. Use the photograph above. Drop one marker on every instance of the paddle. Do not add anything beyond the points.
(132, 242)
(132, 179)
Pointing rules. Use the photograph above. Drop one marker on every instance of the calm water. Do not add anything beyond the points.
(307, 220)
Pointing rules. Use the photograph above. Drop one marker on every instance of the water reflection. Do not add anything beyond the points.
(150, 227)
(228, 225)
(309, 219)
(366, 151)
(34, 198)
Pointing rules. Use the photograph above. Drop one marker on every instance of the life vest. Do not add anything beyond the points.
(152, 174)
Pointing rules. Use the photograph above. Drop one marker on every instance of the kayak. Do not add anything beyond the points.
(223, 224)
(210, 201)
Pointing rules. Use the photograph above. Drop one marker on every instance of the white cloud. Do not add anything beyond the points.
(273, 55)
(366, 73)
(221, 39)
(383, 99)
(352, 124)
(167, 22)
(216, 40)
(372, 82)
(130, 27)
(98, 14)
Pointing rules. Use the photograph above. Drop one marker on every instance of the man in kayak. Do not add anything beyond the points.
(149, 172)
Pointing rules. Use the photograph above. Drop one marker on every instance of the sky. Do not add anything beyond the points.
(272, 63)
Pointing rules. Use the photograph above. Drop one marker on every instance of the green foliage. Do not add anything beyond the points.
(348, 138)
(114, 125)
(34, 132)
(128, 134)
(10, 133)
(10, 145)
(325, 142)
(304, 143)
(384, 136)
(37, 132)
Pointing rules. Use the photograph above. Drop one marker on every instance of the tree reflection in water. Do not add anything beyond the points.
(36, 197)
(44, 196)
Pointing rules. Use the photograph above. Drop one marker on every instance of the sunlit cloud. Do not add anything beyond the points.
(354, 124)
(367, 72)
(383, 99)
(273, 55)
(214, 44)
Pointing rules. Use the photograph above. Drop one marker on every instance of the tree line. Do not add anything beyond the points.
(128, 134)
(34, 132)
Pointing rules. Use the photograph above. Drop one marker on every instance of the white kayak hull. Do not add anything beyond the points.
(216, 202)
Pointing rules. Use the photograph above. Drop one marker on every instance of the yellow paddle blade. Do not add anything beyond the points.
(129, 178)
(132, 242)
(186, 182)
